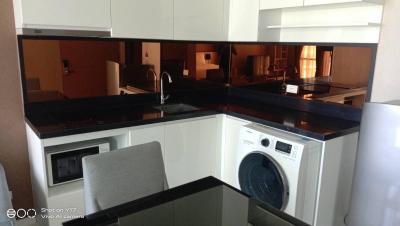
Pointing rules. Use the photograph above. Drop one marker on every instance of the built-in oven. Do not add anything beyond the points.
(64, 162)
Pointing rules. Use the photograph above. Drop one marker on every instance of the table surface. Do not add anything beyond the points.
(206, 202)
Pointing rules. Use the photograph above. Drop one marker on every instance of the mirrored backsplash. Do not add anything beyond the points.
(338, 74)
(70, 69)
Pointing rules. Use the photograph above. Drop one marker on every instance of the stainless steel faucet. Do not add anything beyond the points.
(162, 98)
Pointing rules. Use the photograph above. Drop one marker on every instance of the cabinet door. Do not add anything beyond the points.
(148, 133)
(243, 20)
(231, 140)
(201, 20)
(276, 4)
(191, 150)
(150, 19)
(323, 2)
(70, 14)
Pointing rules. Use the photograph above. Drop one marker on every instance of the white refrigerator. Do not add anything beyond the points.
(376, 186)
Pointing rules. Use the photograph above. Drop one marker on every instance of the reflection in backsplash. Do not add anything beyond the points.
(328, 73)
(69, 69)
(59, 69)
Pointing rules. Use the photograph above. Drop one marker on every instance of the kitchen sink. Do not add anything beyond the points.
(176, 108)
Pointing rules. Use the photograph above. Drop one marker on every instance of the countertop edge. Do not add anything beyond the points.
(103, 127)
(317, 136)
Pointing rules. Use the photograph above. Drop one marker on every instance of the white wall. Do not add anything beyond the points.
(13, 147)
(387, 72)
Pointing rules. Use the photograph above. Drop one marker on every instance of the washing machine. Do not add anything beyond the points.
(280, 169)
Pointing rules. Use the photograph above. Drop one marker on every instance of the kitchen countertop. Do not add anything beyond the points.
(75, 121)
(207, 201)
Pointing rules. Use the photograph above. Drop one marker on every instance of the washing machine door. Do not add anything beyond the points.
(261, 177)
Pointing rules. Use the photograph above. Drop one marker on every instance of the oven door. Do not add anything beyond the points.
(66, 166)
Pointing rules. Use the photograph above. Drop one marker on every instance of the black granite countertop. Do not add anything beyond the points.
(76, 120)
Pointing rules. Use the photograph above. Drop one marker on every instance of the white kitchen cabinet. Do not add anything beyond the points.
(323, 2)
(231, 128)
(150, 19)
(274, 4)
(347, 23)
(148, 133)
(209, 20)
(91, 15)
(66, 195)
(243, 20)
(205, 20)
(191, 150)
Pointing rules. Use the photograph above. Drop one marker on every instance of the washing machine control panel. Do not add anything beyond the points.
(275, 144)
(283, 147)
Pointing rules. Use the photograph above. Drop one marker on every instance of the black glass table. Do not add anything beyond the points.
(206, 202)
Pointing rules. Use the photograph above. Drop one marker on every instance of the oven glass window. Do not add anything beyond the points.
(67, 166)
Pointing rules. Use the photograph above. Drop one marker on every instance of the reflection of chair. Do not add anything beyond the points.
(215, 75)
(136, 172)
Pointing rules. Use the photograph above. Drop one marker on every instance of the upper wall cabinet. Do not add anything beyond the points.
(322, 2)
(243, 20)
(279, 4)
(90, 15)
(216, 20)
(274, 4)
(205, 20)
(333, 23)
(149, 19)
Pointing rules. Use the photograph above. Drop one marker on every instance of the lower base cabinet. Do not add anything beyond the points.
(191, 149)
(149, 133)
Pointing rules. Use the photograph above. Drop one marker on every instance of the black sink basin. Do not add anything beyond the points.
(176, 108)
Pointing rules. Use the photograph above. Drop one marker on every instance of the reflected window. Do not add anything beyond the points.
(308, 62)
(326, 63)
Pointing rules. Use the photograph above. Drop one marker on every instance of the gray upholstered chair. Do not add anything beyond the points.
(5, 200)
(123, 175)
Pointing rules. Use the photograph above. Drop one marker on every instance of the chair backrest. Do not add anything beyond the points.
(123, 175)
